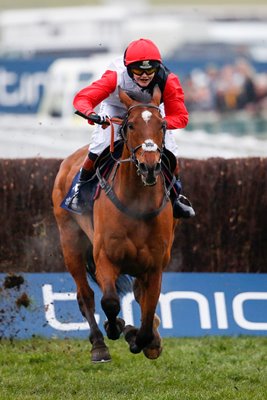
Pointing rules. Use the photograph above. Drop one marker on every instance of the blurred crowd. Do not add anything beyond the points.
(229, 88)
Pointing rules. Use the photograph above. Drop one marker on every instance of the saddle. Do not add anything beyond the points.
(90, 190)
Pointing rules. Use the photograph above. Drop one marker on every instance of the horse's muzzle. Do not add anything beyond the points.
(149, 173)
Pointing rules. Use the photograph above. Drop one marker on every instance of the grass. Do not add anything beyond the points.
(207, 368)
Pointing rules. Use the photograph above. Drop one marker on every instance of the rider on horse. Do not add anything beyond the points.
(137, 73)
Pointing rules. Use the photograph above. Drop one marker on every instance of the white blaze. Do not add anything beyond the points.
(149, 145)
(146, 115)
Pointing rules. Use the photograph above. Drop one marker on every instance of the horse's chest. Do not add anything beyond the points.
(132, 253)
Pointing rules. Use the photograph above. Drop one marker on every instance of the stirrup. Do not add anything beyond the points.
(182, 208)
(75, 203)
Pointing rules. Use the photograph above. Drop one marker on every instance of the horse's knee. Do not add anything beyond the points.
(110, 305)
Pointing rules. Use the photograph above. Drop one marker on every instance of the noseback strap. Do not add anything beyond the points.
(149, 145)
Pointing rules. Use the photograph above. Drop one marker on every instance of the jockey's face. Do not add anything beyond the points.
(144, 79)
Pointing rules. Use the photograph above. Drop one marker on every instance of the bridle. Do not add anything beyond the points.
(108, 188)
(123, 130)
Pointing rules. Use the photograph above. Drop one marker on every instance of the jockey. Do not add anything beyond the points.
(137, 73)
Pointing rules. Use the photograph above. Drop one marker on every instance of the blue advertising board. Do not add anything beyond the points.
(190, 304)
(22, 83)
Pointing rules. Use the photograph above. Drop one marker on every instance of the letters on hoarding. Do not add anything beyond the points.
(189, 305)
(22, 84)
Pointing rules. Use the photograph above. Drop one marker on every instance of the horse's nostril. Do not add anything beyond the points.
(143, 169)
(149, 171)
(158, 168)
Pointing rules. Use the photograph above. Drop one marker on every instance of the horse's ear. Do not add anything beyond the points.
(124, 98)
(156, 99)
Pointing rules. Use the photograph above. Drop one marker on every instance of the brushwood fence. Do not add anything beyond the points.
(228, 233)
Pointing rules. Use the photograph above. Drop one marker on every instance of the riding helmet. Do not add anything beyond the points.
(141, 50)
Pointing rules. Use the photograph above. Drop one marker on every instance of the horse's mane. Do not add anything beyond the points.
(140, 97)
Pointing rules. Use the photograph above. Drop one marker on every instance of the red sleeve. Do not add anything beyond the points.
(173, 99)
(88, 98)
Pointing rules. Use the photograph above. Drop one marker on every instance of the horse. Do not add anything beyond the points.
(130, 232)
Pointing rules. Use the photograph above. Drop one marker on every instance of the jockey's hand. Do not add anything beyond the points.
(100, 119)
(104, 120)
(93, 118)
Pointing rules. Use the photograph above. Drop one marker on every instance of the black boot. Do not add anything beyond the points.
(77, 203)
(182, 208)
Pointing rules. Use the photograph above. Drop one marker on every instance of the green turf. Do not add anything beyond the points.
(188, 369)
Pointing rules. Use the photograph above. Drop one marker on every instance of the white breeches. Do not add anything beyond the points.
(101, 137)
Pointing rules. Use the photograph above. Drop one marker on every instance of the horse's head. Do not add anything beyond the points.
(143, 132)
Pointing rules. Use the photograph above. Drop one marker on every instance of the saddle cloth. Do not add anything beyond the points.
(89, 190)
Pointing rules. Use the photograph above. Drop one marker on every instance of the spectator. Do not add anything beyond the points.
(228, 89)
(233, 87)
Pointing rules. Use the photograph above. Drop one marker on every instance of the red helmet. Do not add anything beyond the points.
(140, 50)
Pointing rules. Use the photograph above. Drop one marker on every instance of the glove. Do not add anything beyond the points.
(103, 117)
(103, 120)
(98, 119)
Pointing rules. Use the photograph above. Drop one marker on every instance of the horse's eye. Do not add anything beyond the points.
(130, 125)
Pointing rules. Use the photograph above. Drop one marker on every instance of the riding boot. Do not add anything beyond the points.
(182, 208)
(86, 173)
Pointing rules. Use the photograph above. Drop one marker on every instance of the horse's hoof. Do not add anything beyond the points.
(152, 353)
(114, 333)
(130, 333)
(135, 349)
(100, 354)
(154, 349)
(130, 336)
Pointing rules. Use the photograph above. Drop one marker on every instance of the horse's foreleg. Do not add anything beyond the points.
(107, 274)
(147, 338)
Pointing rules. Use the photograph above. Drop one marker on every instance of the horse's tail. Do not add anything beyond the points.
(124, 283)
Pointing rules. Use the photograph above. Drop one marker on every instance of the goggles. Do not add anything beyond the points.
(139, 71)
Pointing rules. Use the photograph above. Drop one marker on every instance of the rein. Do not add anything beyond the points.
(108, 189)
(131, 213)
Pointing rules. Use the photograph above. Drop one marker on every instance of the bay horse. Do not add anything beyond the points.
(132, 235)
